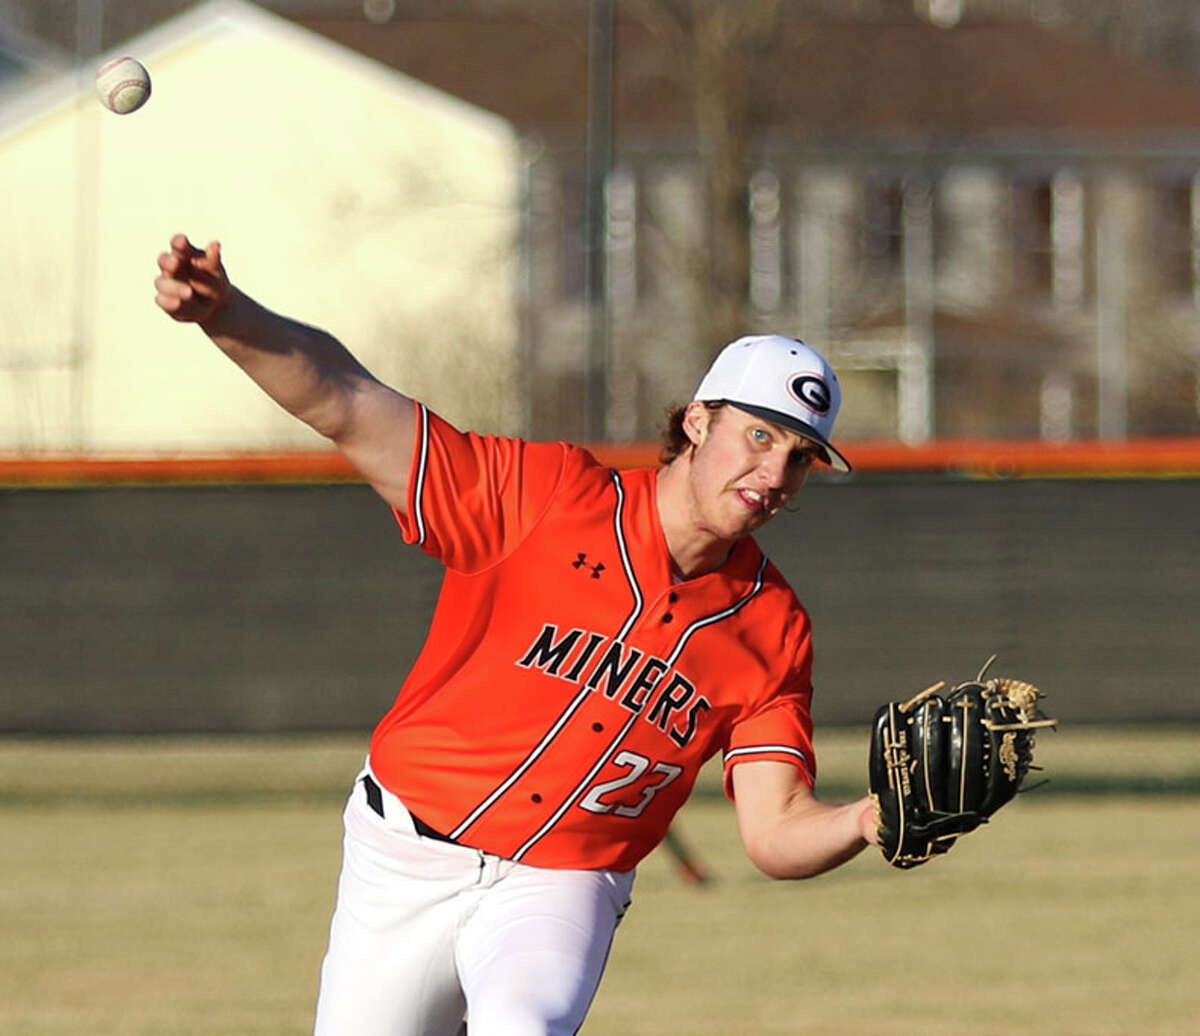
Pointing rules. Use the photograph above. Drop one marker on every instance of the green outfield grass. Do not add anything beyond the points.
(183, 886)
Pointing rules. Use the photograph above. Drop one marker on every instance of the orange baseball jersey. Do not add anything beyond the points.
(569, 690)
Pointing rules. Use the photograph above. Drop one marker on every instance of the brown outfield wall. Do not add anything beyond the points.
(288, 608)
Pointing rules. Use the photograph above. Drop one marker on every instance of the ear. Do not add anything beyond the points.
(696, 419)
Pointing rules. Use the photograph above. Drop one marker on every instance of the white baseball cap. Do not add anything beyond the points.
(782, 381)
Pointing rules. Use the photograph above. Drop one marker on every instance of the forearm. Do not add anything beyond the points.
(305, 370)
(813, 839)
(787, 831)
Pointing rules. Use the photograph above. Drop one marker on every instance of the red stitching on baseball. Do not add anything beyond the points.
(121, 86)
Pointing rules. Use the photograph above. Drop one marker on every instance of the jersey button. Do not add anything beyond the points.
(597, 727)
(535, 797)
(673, 597)
(668, 617)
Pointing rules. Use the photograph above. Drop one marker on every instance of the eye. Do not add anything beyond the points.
(760, 436)
(803, 458)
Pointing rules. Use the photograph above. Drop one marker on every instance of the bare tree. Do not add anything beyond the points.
(713, 47)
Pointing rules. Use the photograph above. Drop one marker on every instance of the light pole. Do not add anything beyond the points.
(599, 164)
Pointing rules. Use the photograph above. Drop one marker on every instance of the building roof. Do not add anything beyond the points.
(975, 79)
(829, 79)
(26, 60)
(978, 80)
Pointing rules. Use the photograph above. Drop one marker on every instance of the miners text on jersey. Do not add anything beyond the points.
(624, 674)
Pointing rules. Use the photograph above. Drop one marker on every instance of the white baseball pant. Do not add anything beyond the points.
(425, 932)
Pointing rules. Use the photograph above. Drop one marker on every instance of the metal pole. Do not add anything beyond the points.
(599, 164)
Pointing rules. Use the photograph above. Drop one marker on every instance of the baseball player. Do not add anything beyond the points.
(599, 635)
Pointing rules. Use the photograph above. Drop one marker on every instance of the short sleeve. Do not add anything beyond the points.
(781, 728)
(472, 498)
(782, 733)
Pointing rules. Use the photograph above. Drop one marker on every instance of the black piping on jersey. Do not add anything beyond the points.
(584, 692)
(422, 460)
(623, 550)
(607, 754)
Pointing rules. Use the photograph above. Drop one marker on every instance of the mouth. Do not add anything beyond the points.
(754, 501)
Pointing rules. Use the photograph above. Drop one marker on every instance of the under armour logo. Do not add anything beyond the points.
(582, 562)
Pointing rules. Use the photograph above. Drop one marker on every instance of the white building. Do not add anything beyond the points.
(344, 194)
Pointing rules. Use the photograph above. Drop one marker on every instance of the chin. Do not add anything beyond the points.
(742, 524)
(758, 521)
(747, 528)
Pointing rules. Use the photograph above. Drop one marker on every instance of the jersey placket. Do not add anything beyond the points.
(660, 637)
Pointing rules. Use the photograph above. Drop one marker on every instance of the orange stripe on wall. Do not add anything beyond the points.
(1004, 458)
(979, 458)
(298, 466)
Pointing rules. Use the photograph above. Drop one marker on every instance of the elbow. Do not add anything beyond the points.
(778, 865)
(781, 873)
(790, 859)
(792, 870)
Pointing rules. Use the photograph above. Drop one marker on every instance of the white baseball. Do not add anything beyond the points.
(123, 85)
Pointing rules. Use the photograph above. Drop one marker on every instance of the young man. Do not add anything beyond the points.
(599, 635)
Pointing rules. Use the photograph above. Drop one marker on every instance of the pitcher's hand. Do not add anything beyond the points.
(192, 284)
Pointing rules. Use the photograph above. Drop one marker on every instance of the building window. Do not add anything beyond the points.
(883, 224)
(621, 240)
(1033, 244)
(1174, 237)
(572, 234)
(766, 243)
(1067, 239)
(617, 237)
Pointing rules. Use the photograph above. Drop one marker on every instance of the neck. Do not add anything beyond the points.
(694, 550)
(690, 566)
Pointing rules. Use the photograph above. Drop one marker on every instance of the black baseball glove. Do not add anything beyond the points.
(941, 766)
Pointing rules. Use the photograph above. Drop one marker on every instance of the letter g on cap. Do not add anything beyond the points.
(812, 392)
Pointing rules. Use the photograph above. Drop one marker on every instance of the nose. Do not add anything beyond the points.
(773, 469)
